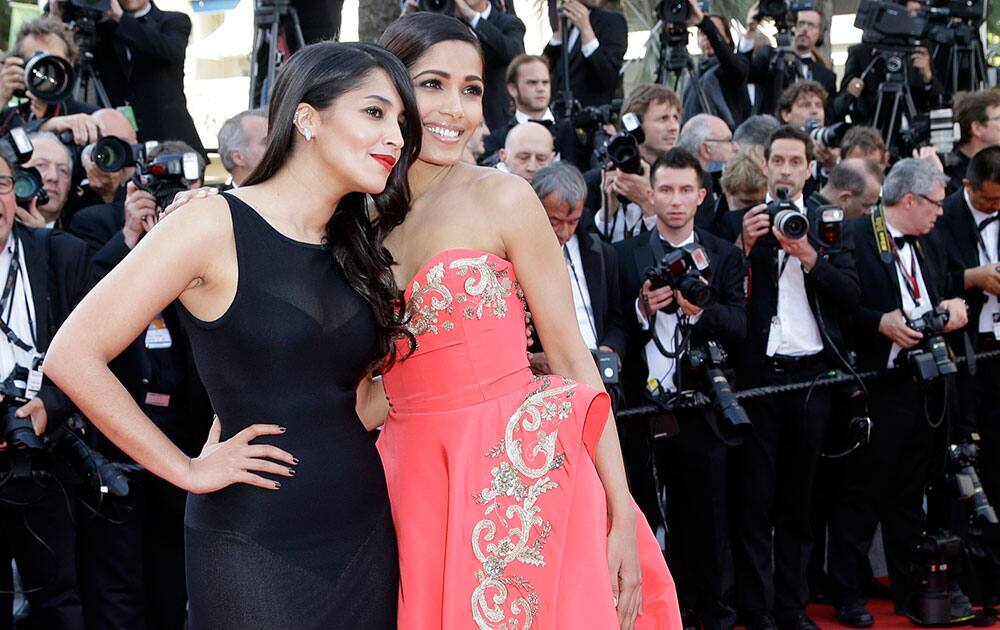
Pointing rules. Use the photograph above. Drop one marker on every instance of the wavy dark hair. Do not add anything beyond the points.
(411, 35)
(318, 75)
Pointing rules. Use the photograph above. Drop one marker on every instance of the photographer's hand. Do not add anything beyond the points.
(11, 78)
(35, 409)
(984, 277)
(958, 314)
(30, 216)
(689, 309)
(540, 364)
(893, 325)
(464, 11)
(579, 16)
(140, 214)
(752, 18)
(114, 11)
(855, 87)
(635, 188)
(755, 225)
(800, 247)
(652, 300)
(696, 15)
(929, 155)
(222, 464)
(921, 60)
(85, 129)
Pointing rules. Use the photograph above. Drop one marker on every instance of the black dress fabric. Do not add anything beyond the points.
(321, 551)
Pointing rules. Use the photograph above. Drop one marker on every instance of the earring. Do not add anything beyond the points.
(308, 132)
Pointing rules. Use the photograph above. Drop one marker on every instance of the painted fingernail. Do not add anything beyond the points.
(277, 485)
(291, 471)
(282, 429)
(295, 460)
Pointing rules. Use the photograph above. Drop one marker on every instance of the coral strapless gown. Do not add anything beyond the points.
(499, 511)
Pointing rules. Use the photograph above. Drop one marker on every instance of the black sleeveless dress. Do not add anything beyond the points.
(321, 551)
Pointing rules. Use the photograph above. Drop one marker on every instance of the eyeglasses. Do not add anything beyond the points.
(939, 204)
(728, 140)
(992, 118)
(6, 184)
(809, 25)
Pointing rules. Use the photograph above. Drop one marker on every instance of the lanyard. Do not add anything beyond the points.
(576, 280)
(7, 303)
(982, 242)
(912, 281)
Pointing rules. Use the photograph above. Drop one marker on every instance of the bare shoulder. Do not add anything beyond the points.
(203, 221)
(508, 199)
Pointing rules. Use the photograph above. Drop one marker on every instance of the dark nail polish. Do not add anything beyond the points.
(277, 484)
(295, 460)
(291, 471)
(282, 429)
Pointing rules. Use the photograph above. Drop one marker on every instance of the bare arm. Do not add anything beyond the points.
(532, 247)
(188, 254)
(372, 405)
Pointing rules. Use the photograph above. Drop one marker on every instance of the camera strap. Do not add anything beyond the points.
(579, 288)
(7, 304)
(889, 253)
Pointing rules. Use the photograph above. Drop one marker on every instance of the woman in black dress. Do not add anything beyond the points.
(288, 299)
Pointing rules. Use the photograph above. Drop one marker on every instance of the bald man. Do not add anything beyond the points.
(529, 147)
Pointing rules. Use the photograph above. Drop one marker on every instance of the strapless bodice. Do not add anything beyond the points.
(466, 311)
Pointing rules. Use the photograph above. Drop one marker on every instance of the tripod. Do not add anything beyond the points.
(277, 35)
(893, 95)
(966, 66)
(676, 63)
(87, 86)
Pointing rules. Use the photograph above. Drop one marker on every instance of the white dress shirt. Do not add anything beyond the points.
(661, 368)
(581, 293)
(990, 235)
(794, 332)
(913, 309)
(482, 15)
(585, 49)
(18, 314)
(625, 224)
(521, 117)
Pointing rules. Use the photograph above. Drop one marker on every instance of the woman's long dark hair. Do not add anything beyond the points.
(318, 75)
(410, 36)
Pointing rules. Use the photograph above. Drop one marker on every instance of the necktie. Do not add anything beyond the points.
(986, 222)
(545, 123)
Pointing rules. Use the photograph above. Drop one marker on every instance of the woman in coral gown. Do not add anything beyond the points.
(508, 492)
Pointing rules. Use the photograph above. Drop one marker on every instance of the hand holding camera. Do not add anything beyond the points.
(695, 14)
(895, 326)
(29, 215)
(114, 11)
(652, 300)
(958, 314)
(140, 214)
(756, 223)
(984, 277)
(921, 61)
(11, 78)
(84, 128)
(579, 16)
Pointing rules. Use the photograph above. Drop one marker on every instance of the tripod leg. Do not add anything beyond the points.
(295, 32)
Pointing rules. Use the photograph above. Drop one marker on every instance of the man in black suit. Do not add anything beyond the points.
(127, 580)
(903, 276)
(35, 517)
(722, 72)
(597, 41)
(693, 465)
(501, 36)
(140, 59)
(591, 263)
(797, 297)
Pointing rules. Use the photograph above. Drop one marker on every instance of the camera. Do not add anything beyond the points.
(103, 475)
(623, 148)
(591, 118)
(932, 357)
(17, 432)
(831, 228)
(931, 604)
(890, 26)
(673, 11)
(438, 6)
(935, 128)
(785, 216)
(28, 185)
(962, 459)
(608, 364)
(709, 362)
(112, 154)
(829, 136)
(48, 77)
(682, 270)
(166, 175)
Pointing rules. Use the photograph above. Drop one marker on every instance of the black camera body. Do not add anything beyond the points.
(50, 78)
(932, 357)
(829, 136)
(890, 26)
(590, 118)
(17, 432)
(961, 470)
(28, 183)
(623, 148)
(785, 216)
(112, 154)
(709, 362)
(673, 11)
(682, 270)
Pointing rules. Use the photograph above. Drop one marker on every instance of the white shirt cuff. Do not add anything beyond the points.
(555, 42)
(642, 318)
(588, 49)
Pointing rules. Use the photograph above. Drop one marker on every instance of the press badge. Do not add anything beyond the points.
(34, 383)
(157, 335)
(996, 326)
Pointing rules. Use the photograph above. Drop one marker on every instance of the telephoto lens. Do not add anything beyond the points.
(438, 6)
(28, 185)
(111, 154)
(48, 77)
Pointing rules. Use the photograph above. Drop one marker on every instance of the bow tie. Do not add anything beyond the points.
(985, 222)
(545, 123)
(906, 239)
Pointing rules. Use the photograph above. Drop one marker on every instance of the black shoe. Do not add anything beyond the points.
(800, 621)
(854, 616)
(873, 589)
(761, 622)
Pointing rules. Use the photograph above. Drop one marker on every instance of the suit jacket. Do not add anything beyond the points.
(862, 109)
(880, 289)
(724, 321)
(593, 79)
(96, 225)
(773, 83)
(57, 266)
(957, 231)
(141, 62)
(600, 268)
(502, 37)
(832, 289)
(723, 82)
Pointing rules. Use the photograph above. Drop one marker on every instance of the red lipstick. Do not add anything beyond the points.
(387, 161)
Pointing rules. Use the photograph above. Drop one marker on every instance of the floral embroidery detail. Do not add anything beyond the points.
(424, 307)
(492, 287)
(528, 453)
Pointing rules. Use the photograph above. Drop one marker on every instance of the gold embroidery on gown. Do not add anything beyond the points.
(512, 510)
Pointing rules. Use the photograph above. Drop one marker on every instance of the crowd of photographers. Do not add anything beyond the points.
(790, 294)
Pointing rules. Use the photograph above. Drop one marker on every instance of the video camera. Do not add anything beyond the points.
(887, 25)
(683, 270)
(785, 216)
(709, 363)
(935, 128)
(932, 357)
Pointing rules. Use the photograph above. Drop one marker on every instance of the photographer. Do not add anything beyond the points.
(695, 468)
(127, 580)
(592, 264)
(140, 58)
(596, 45)
(529, 147)
(854, 185)
(722, 73)
(55, 164)
(99, 188)
(978, 118)
(865, 143)
(797, 297)
(903, 278)
(49, 36)
(804, 63)
(47, 273)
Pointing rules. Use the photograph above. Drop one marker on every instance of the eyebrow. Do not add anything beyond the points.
(442, 73)
(379, 98)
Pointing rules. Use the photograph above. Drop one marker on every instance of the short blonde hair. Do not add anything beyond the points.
(744, 171)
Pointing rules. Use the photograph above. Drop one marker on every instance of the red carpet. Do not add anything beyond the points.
(882, 609)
